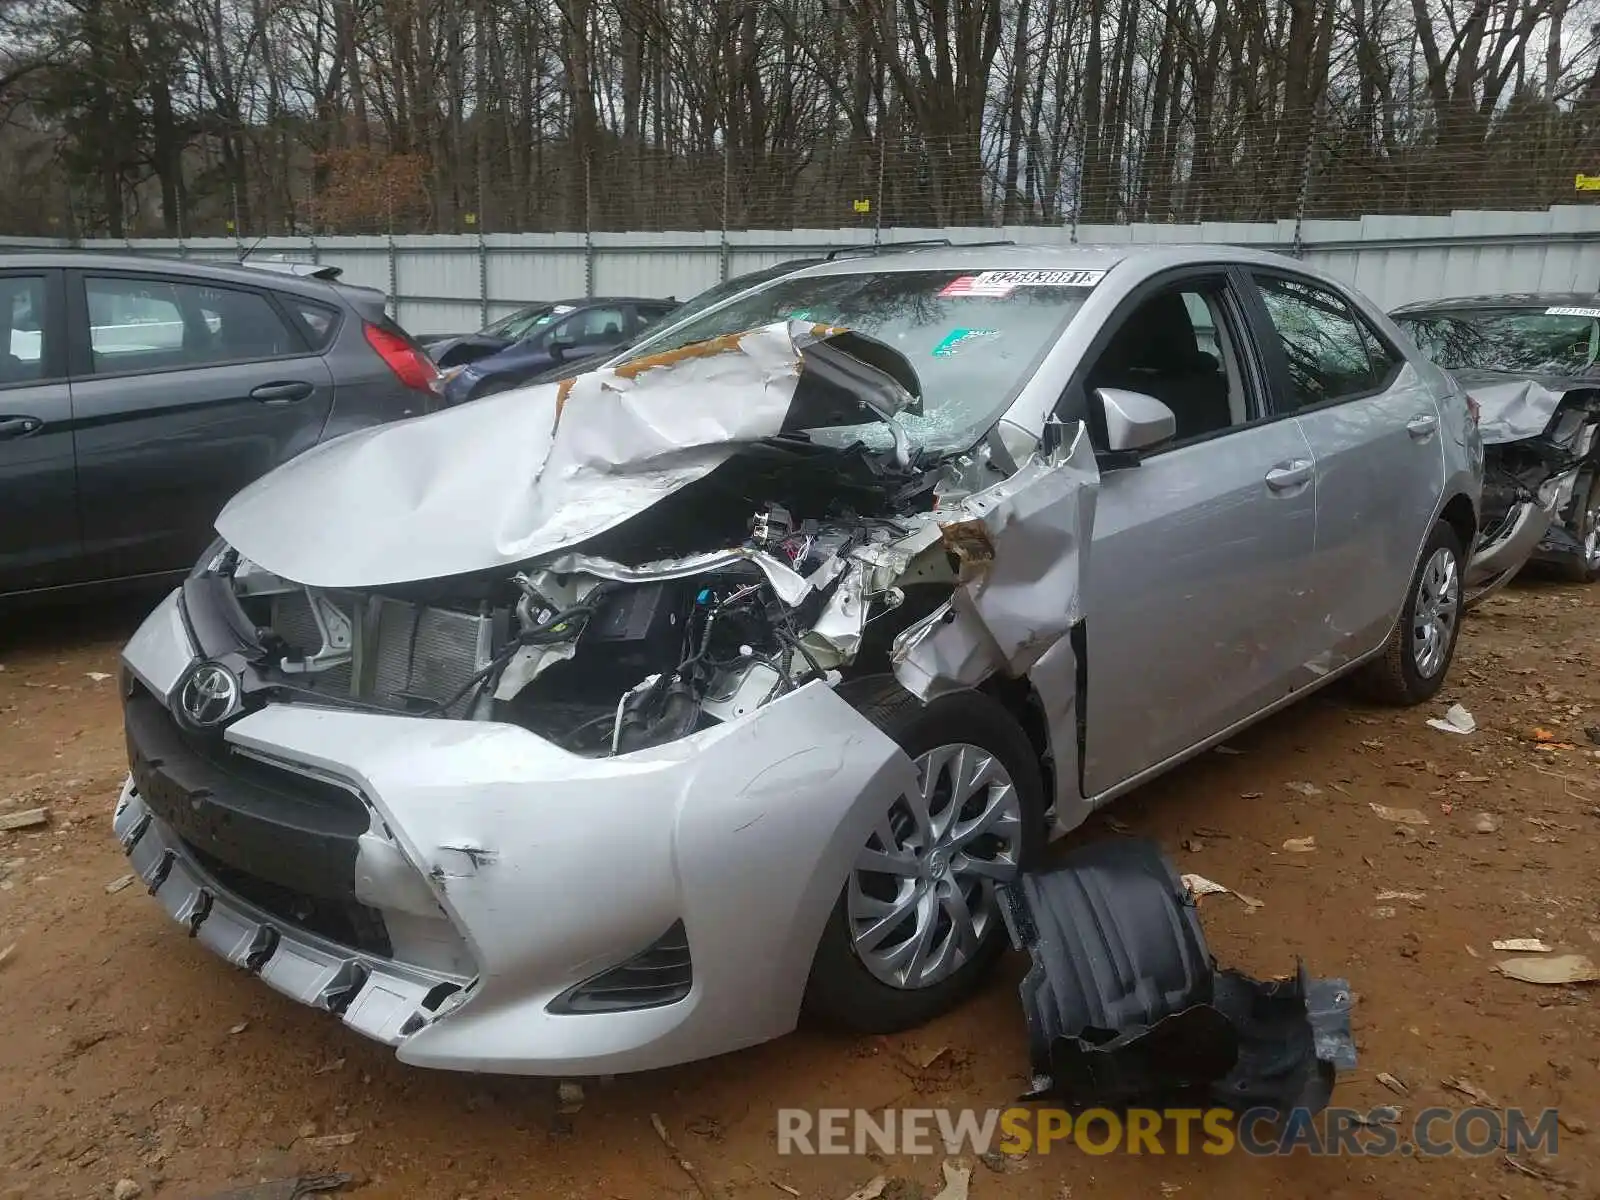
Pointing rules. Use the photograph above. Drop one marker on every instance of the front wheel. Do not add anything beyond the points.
(918, 922)
(1417, 656)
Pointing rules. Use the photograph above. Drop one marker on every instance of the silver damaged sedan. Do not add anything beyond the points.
(613, 723)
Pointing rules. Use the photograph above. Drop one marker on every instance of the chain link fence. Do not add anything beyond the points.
(1296, 167)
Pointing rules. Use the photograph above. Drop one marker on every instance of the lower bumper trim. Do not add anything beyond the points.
(378, 998)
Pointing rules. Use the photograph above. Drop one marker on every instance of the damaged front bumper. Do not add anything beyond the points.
(492, 877)
(377, 997)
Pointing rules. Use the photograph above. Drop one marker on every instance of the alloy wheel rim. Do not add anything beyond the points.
(921, 896)
(1437, 609)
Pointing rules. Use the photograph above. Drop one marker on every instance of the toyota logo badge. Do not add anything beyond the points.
(209, 696)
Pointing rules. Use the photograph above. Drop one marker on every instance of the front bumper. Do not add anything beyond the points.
(543, 868)
(380, 998)
(1511, 544)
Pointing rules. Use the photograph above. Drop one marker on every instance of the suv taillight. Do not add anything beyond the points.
(410, 365)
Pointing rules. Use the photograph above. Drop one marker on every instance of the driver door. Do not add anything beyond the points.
(1197, 611)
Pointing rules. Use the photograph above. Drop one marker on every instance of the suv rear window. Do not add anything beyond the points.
(318, 322)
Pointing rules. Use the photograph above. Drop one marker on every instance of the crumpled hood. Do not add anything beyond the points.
(531, 471)
(1513, 407)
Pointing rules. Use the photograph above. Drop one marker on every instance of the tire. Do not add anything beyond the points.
(1585, 523)
(853, 982)
(1402, 674)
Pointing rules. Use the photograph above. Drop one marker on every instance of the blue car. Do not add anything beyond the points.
(536, 339)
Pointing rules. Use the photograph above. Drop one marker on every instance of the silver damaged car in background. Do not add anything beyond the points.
(605, 725)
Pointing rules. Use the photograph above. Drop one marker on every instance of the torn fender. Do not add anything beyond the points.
(1021, 554)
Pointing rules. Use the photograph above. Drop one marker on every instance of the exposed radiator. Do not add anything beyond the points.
(404, 655)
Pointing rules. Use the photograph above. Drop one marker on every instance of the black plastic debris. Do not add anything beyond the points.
(1124, 1002)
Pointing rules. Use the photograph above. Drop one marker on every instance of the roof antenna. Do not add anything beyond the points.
(254, 246)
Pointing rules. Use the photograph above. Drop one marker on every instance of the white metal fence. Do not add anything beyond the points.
(452, 283)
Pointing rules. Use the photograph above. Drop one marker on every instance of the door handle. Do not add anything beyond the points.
(1288, 475)
(1422, 425)
(282, 393)
(19, 427)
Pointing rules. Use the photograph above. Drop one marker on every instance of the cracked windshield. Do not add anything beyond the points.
(973, 338)
(1546, 342)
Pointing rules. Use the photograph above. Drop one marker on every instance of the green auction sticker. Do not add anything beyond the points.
(948, 344)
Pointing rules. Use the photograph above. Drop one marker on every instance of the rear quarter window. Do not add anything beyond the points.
(318, 323)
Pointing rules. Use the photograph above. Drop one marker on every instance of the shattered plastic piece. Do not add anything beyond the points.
(1401, 896)
(1124, 1003)
(1393, 1084)
(870, 1190)
(1521, 946)
(1305, 789)
(1567, 968)
(1469, 1090)
(1400, 816)
(1303, 845)
(97, 676)
(1199, 885)
(957, 1179)
(1486, 823)
(1456, 720)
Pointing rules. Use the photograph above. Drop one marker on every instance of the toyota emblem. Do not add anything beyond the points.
(209, 696)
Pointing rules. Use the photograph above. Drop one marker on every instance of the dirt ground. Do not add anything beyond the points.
(129, 1052)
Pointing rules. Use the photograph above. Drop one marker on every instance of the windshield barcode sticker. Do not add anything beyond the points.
(1000, 283)
(1082, 279)
(1572, 312)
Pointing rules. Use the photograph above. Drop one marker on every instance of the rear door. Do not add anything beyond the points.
(39, 538)
(1373, 428)
(183, 392)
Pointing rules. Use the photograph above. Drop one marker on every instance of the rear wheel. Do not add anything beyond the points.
(1586, 528)
(1417, 656)
(918, 921)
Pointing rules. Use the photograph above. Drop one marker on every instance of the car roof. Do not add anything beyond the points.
(196, 268)
(591, 301)
(1504, 300)
(1024, 256)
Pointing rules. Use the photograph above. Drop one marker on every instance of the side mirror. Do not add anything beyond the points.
(558, 348)
(1133, 421)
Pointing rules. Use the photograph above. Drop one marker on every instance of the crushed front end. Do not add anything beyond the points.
(567, 788)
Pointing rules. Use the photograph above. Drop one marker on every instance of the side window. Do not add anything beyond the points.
(157, 324)
(1323, 344)
(22, 329)
(1180, 346)
(1385, 359)
(593, 326)
(318, 322)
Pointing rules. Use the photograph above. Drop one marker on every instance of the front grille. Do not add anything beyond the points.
(346, 921)
(658, 975)
(407, 656)
(295, 836)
